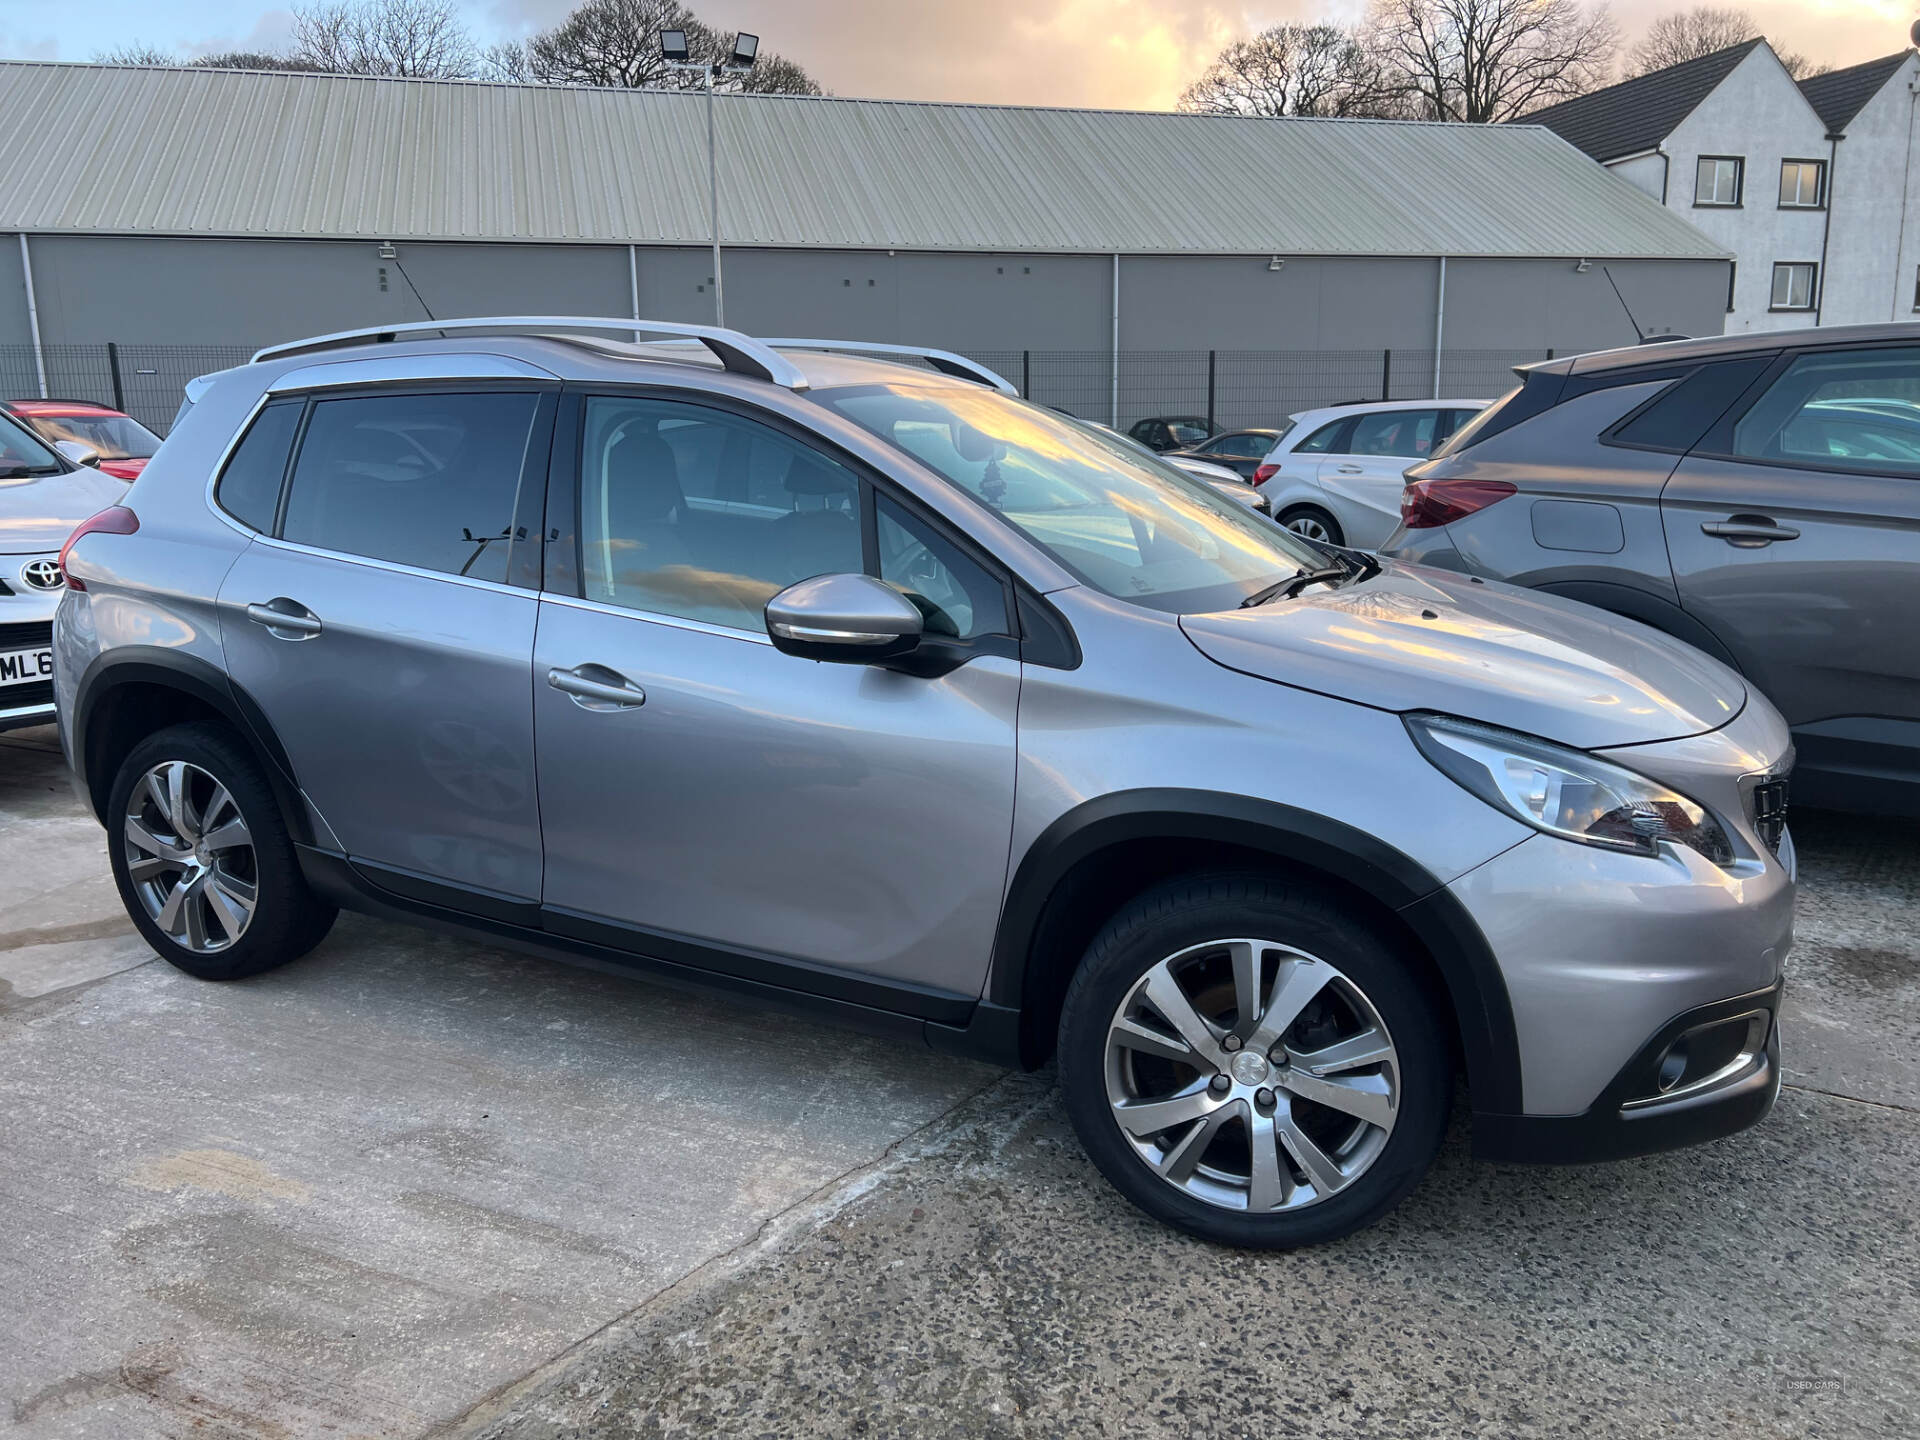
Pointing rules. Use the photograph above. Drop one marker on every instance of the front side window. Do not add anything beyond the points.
(1793, 285)
(422, 479)
(1407, 434)
(249, 488)
(1124, 524)
(1800, 184)
(958, 598)
(1847, 410)
(706, 515)
(1717, 180)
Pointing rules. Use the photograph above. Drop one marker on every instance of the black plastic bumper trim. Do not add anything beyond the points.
(1606, 1131)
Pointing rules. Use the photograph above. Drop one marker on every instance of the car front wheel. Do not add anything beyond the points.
(1253, 1065)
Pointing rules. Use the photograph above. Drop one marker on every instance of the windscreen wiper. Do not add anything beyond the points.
(1291, 586)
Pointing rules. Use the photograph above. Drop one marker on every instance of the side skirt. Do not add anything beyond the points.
(914, 1014)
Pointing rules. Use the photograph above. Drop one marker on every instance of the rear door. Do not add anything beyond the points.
(1365, 481)
(376, 621)
(1794, 530)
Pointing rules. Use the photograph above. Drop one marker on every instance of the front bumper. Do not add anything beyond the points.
(26, 621)
(1739, 1041)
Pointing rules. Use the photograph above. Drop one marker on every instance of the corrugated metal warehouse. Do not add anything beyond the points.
(207, 208)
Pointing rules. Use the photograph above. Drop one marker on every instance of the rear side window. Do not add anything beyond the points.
(1404, 434)
(424, 479)
(249, 488)
(1321, 441)
(1847, 410)
(1676, 418)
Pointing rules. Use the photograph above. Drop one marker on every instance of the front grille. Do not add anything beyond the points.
(1770, 810)
(32, 635)
(13, 697)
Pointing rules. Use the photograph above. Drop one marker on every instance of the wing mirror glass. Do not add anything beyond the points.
(854, 619)
(77, 452)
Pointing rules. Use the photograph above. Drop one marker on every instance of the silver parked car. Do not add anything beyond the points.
(1757, 496)
(522, 628)
(43, 495)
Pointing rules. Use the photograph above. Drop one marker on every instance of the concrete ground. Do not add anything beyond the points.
(411, 1186)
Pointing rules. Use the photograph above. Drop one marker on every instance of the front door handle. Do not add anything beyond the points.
(595, 687)
(1352, 470)
(285, 619)
(1749, 532)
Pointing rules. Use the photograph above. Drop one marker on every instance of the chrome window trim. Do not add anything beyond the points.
(393, 566)
(676, 622)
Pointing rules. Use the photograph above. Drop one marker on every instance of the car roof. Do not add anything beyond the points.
(1715, 347)
(61, 407)
(1360, 407)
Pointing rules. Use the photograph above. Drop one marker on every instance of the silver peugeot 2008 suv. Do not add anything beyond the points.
(529, 630)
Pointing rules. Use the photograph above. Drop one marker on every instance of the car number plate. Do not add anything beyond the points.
(25, 667)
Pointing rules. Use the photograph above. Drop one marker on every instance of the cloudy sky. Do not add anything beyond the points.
(1125, 53)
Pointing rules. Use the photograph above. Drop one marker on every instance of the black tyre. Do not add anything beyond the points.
(1314, 523)
(1248, 1062)
(203, 860)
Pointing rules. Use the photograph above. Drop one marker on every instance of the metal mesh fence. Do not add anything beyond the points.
(1231, 388)
(145, 381)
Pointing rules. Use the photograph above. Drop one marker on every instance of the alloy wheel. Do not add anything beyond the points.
(1310, 527)
(190, 857)
(1251, 1075)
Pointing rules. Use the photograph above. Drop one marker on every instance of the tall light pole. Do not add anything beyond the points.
(673, 50)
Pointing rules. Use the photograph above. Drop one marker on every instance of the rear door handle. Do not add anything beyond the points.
(1749, 531)
(595, 687)
(285, 619)
(1353, 470)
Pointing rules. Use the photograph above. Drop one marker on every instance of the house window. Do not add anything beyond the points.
(1733, 269)
(1717, 180)
(1802, 184)
(1793, 285)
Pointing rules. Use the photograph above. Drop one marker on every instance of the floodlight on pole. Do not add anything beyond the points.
(674, 52)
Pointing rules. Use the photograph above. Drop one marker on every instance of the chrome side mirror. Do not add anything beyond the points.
(77, 452)
(854, 619)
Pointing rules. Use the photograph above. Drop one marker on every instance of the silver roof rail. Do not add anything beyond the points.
(945, 361)
(736, 352)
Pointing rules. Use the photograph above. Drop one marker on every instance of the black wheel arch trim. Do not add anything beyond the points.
(202, 681)
(1460, 953)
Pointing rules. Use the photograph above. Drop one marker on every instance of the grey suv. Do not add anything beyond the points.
(1757, 496)
(867, 688)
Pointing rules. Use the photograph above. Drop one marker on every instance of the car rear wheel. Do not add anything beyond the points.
(1253, 1065)
(203, 861)
(1314, 523)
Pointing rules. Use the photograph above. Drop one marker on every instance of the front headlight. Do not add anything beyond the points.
(1567, 792)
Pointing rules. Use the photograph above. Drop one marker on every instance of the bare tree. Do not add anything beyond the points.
(507, 61)
(1294, 70)
(135, 54)
(616, 44)
(1484, 61)
(1704, 30)
(417, 38)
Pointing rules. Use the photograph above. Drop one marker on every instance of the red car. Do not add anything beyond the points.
(122, 442)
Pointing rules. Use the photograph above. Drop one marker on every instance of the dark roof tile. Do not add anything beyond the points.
(1638, 114)
(1839, 94)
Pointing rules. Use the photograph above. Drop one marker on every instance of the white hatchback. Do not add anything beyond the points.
(1337, 473)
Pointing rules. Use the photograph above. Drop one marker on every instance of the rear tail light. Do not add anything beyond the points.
(1426, 504)
(1265, 473)
(114, 520)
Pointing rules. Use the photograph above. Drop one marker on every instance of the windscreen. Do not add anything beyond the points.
(1124, 524)
(24, 453)
(115, 437)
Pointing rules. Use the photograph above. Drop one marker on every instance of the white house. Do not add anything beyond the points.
(1810, 187)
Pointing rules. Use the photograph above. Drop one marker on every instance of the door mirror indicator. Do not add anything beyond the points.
(854, 619)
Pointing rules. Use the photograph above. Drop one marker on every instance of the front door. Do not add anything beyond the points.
(836, 828)
(1794, 531)
(376, 632)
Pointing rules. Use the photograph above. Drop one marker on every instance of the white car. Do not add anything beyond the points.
(1337, 473)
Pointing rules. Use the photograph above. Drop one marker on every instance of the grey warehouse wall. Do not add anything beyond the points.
(205, 291)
